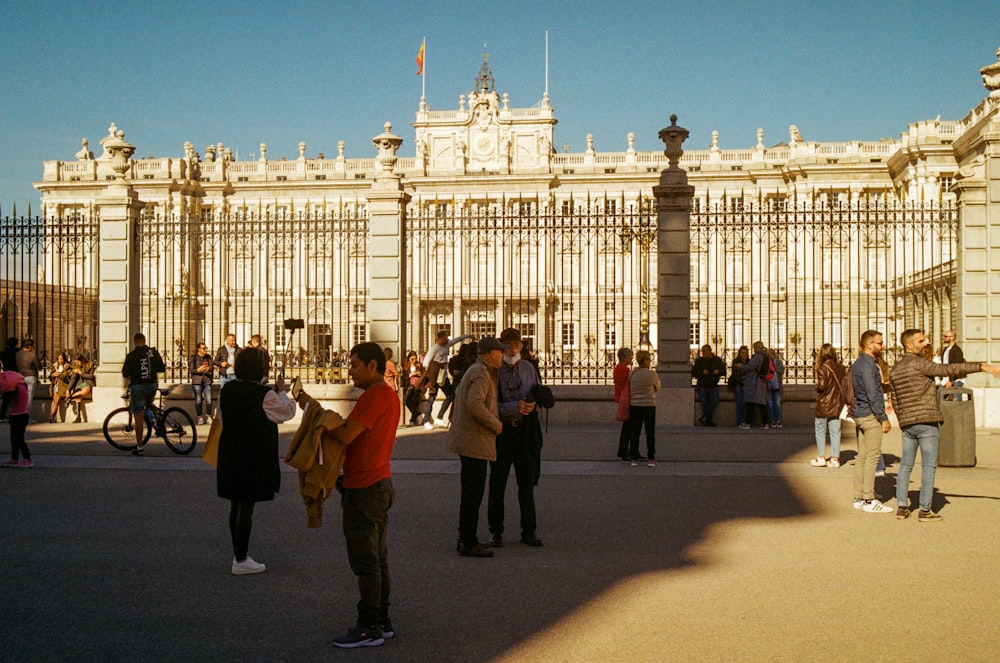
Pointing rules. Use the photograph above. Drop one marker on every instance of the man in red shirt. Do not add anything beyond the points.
(369, 434)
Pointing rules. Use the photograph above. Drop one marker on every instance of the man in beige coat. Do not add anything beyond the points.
(475, 425)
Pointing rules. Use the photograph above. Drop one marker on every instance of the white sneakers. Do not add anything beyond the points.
(875, 507)
(247, 567)
(818, 461)
(833, 461)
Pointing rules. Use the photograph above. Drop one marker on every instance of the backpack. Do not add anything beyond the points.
(770, 370)
(847, 391)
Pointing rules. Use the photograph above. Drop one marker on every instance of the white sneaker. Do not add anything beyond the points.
(876, 507)
(818, 461)
(880, 473)
(440, 423)
(201, 420)
(247, 567)
(859, 504)
(833, 461)
(428, 426)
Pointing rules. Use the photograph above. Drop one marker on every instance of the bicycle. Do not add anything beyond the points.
(173, 424)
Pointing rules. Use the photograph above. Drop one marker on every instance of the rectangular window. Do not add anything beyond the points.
(569, 334)
(694, 335)
(359, 333)
(610, 335)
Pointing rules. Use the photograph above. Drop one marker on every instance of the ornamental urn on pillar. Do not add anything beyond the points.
(387, 143)
(673, 137)
(115, 146)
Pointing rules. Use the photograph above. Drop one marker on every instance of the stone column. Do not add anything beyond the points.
(977, 261)
(387, 247)
(675, 400)
(118, 276)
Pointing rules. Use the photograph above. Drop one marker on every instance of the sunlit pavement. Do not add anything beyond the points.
(732, 549)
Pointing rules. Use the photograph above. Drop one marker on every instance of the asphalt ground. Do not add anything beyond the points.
(732, 549)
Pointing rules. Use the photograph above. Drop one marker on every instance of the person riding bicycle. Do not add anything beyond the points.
(141, 367)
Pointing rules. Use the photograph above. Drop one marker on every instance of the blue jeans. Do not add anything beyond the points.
(223, 379)
(738, 398)
(202, 406)
(709, 398)
(774, 405)
(823, 425)
(925, 436)
(30, 381)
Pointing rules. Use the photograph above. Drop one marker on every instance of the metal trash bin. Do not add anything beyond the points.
(958, 430)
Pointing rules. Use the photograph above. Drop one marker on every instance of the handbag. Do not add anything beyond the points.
(211, 454)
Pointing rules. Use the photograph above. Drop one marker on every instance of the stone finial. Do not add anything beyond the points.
(263, 152)
(991, 77)
(673, 137)
(760, 139)
(630, 137)
(715, 141)
(302, 150)
(340, 149)
(387, 143)
(590, 143)
(117, 150)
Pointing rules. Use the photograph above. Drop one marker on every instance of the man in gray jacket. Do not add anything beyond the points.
(915, 399)
(475, 424)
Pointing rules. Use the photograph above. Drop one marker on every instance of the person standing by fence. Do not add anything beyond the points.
(708, 369)
(60, 377)
(643, 384)
(829, 402)
(29, 366)
(435, 360)
(225, 360)
(755, 386)
(736, 384)
(622, 370)
(201, 370)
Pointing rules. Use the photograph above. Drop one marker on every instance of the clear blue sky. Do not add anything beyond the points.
(242, 73)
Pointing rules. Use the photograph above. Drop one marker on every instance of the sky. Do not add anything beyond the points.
(243, 73)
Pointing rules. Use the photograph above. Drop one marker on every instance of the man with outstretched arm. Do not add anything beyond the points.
(915, 399)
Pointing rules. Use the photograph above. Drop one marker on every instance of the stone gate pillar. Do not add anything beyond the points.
(387, 202)
(118, 276)
(977, 261)
(675, 401)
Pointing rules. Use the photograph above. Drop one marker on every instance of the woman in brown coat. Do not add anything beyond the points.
(829, 402)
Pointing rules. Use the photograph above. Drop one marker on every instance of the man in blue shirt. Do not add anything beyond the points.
(871, 421)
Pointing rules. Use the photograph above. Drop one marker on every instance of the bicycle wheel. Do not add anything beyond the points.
(178, 430)
(119, 430)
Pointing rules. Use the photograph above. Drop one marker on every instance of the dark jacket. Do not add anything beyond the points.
(914, 394)
(715, 370)
(197, 369)
(248, 469)
(956, 356)
(830, 399)
(754, 386)
(869, 399)
(220, 356)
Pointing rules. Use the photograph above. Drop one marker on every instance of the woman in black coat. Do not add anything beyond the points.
(247, 470)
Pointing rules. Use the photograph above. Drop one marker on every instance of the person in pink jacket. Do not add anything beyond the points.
(13, 387)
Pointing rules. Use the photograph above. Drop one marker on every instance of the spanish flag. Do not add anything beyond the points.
(420, 58)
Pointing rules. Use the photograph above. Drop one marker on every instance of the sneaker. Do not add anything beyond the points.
(496, 541)
(10, 463)
(428, 426)
(634, 463)
(875, 507)
(779, 425)
(902, 513)
(744, 426)
(138, 451)
(818, 461)
(477, 550)
(833, 461)
(651, 463)
(880, 473)
(201, 421)
(359, 636)
(440, 423)
(859, 504)
(247, 567)
(928, 517)
(385, 625)
(27, 462)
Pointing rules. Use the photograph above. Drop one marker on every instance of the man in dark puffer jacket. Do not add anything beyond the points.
(915, 399)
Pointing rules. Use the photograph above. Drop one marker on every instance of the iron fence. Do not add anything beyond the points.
(205, 276)
(576, 279)
(48, 288)
(795, 277)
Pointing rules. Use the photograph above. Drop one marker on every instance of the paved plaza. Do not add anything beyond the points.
(732, 549)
